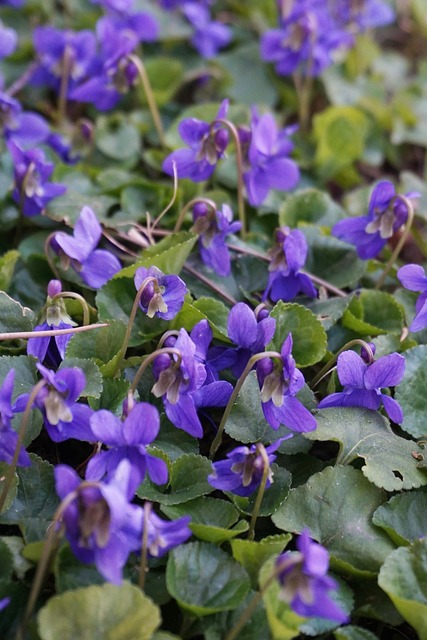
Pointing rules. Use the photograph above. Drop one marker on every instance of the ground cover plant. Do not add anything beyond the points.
(213, 319)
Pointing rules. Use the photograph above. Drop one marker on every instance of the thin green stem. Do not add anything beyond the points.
(67, 61)
(400, 244)
(75, 296)
(328, 366)
(209, 203)
(48, 258)
(252, 360)
(250, 609)
(150, 97)
(171, 202)
(22, 335)
(143, 567)
(149, 358)
(261, 490)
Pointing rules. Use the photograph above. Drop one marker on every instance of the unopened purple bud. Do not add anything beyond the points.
(221, 140)
(53, 288)
(365, 355)
(200, 209)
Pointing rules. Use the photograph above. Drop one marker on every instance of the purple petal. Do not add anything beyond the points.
(142, 424)
(385, 372)
(99, 267)
(393, 408)
(413, 277)
(351, 369)
(184, 416)
(242, 325)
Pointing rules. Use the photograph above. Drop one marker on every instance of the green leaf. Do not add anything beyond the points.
(404, 578)
(310, 206)
(101, 345)
(336, 505)
(36, 500)
(67, 208)
(165, 76)
(117, 138)
(188, 480)
(351, 632)
(273, 496)
(328, 311)
(252, 555)
(410, 393)
(114, 392)
(16, 547)
(204, 579)
(71, 573)
(6, 562)
(99, 612)
(333, 260)
(203, 309)
(404, 517)
(7, 266)
(374, 313)
(168, 255)
(13, 316)
(309, 337)
(93, 375)
(174, 442)
(366, 434)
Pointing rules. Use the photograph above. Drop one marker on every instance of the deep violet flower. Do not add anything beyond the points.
(100, 524)
(363, 383)
(51, 350)
(94, 266)
(127, 439)
(279, 383)
(304, 582)
(207, 144)
(288, 256)
(32, 191)
(163, 295)
(163, 535)
(209, 35)
(387, 212)
(214, 229)
(413, 277)
(243, 471)
(267, 165)
(8, 436)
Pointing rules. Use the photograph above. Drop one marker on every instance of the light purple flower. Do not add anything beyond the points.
(363, 382)
(8, 436)
(8, 41)
(279, 383)
(163, 295)
(209, 35)
(94, 266)
(163, 535)
(304, 582)
(413, 277)
(214, 229)
(207, 143)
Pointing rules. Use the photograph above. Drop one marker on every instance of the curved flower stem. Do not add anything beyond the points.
(209, 203)
(303, 87)
(212, 285)
(150, 97)
(143, 568)
(252, 360)
(239, 161)
(328, 366)
(22, 431)
(400, 244)
(48, 258)
(266, 469)
(170, 204)
(67, 61)
(324, 283)
(75, 296)
(149, 358)
(22, 335)
(165, 336)
(23, 80)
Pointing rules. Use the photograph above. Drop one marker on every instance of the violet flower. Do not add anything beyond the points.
(242, 473)
(8, 436)
(363, 382)
(51, 350)
(267, 165)
(279, 383)
(362, 15)
(163, 295)
(32, 191)
(163, 535)
(207, 144)
(304, 582)
(94, 266)
(127, 439)
(386, 214)
(209, 35)
(213, 229)
(8, 41)
(288, 256)
(413, 277)
(100, 524)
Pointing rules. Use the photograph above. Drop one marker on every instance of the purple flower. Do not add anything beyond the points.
(209, 35)
(94, 266)
(304, 582)
(100, 524)
(31, 172)
(214, 229)
(243, 471)
(8, 41)
(8, 436)
(4, 602)
(250, 332)
(163, 535)
(362, 15)
(288, 255)
(182, 384)
(413, 277)
(279, 383)
(127, 440)
(363, 383)
(386, 214)
(267, 165)
(162, 296)
(207, 142)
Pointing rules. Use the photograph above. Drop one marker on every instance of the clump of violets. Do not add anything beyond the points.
(8, 436)
(266, 162)
(413, 277)
(51, 350)
(207, 142)
(287, 257)
(304, 582)
(387, 213)
(94, 266)
(363, 380)
(244, 468)
(280, 381)
(32, 189)
(213, 229)
(162, 295)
